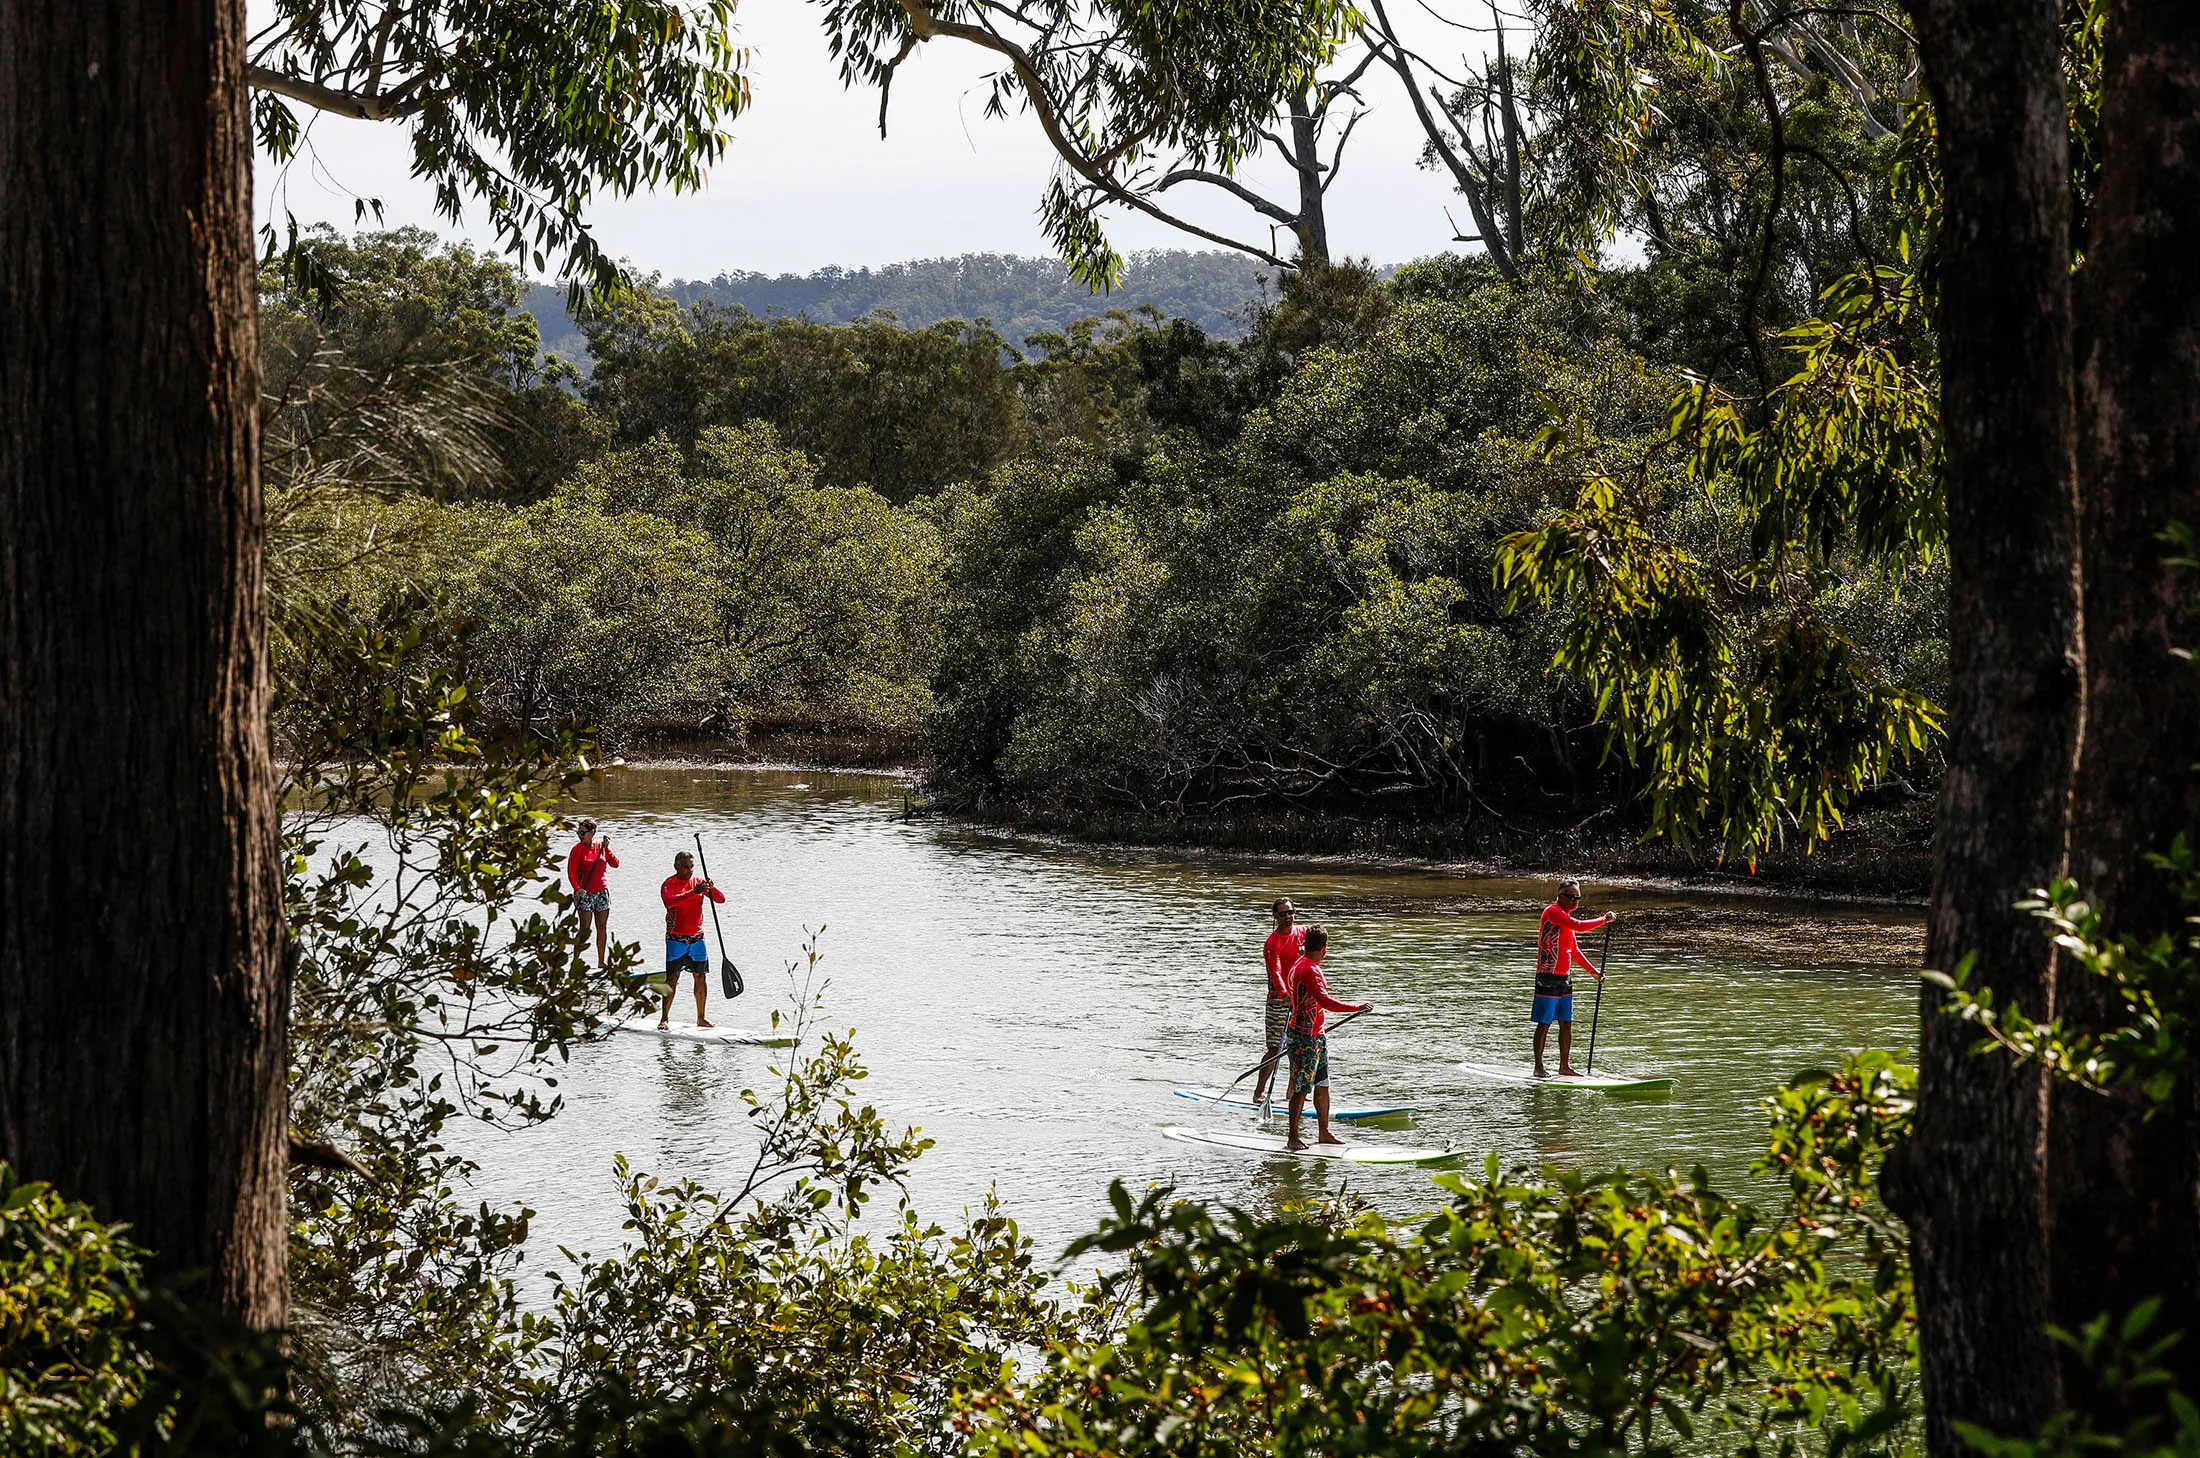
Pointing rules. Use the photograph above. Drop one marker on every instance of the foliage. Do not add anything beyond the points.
(393, 365)
(526, 109)
(69, 1288)
(1304, 614)
(1574, 1314)
(2156, 980)
(903, 411)
(435, 980)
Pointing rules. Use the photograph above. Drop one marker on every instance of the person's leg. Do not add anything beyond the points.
(1321, 1094)
(1300, 1077)
(1542, 1034)
(1267, 1075)
(1566, 1048)
(702, 995)
(603, 934)
(675, 959)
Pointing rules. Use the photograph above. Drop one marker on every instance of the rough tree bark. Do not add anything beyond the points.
(141, 991)
(2126, 1191)
(1971, 1183)
(1311, 224)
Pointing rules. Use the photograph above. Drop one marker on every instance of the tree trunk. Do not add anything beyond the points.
(2124, 1205)
(1971, 1184)
(1312, 224)
(142, 996)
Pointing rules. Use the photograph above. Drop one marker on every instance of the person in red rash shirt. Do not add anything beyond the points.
(1281, 953)
(1557, 953)
(1310, 1003)
(587, 867)
(683, 893)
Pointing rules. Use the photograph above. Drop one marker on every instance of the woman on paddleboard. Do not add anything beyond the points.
(1310, 1006)
(589, 867)
(1281, 953)
(1557, 953)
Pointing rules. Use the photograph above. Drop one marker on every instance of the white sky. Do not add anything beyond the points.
(807, 181)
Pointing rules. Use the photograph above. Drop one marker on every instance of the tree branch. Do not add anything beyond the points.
(1231, 185)
(925, 25)
(390, 106)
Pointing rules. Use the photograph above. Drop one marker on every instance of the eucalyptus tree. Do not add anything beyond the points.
(137, 789)
(1133, 98)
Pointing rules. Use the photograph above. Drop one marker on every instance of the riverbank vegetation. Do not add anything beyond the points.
(1126, 574)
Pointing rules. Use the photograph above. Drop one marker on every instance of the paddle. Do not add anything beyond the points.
(1604, 958)
(1280, 1052)
(729, 976)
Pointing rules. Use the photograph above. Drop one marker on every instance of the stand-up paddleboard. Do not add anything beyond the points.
(1240, 1101)
(1253, 1143)
(646, 1027)
(1608, 1082)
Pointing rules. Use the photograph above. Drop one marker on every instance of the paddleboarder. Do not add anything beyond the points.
(1557, 953)
(1281, 953)
(1309, 1049)
(588, 867)
(685, 948)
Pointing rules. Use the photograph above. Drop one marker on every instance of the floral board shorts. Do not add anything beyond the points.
(1309, 1062)
(1278, 1021)
(592, 900)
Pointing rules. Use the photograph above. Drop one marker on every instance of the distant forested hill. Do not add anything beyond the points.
(1022, 296)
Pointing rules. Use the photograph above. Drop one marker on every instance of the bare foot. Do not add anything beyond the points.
(1328, 1138)
(705, 1023)
(1539, 1073)
(1565, 1072)
(1294, 1145)
(664, 1027)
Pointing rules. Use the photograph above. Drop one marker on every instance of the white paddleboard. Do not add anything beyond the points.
(1281, 1107)
(646, 1027)
(1609, 1082)
(1254, 1143)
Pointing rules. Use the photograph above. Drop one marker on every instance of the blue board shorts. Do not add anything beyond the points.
(1553, 1009)
(686, 954)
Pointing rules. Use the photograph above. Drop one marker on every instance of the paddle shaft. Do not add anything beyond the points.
(1604, 956)
(1280, 1052)
(715, 924)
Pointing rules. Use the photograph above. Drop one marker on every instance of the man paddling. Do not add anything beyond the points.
(1557, 953)
(1309, 1048)
(685, 949)
(1281, 953)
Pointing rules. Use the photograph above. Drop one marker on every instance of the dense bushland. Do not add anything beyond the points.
(1122, 570)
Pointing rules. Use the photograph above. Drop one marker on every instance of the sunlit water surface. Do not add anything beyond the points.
(1031, 1007)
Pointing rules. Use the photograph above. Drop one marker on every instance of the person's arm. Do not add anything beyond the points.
(1274, 964)
(573, 867)
(1583, 923)
(1321, 994)
(670, 897)
(713, 893)
(608, 858)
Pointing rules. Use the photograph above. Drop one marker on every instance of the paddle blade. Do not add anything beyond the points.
(729, 978)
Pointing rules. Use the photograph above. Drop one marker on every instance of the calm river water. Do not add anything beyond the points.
(1032, 1006)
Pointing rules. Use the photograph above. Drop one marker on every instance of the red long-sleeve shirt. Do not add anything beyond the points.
(683, 896)
(1557, 953)
(587, 865)
(1281, 953)
(1310, 996)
